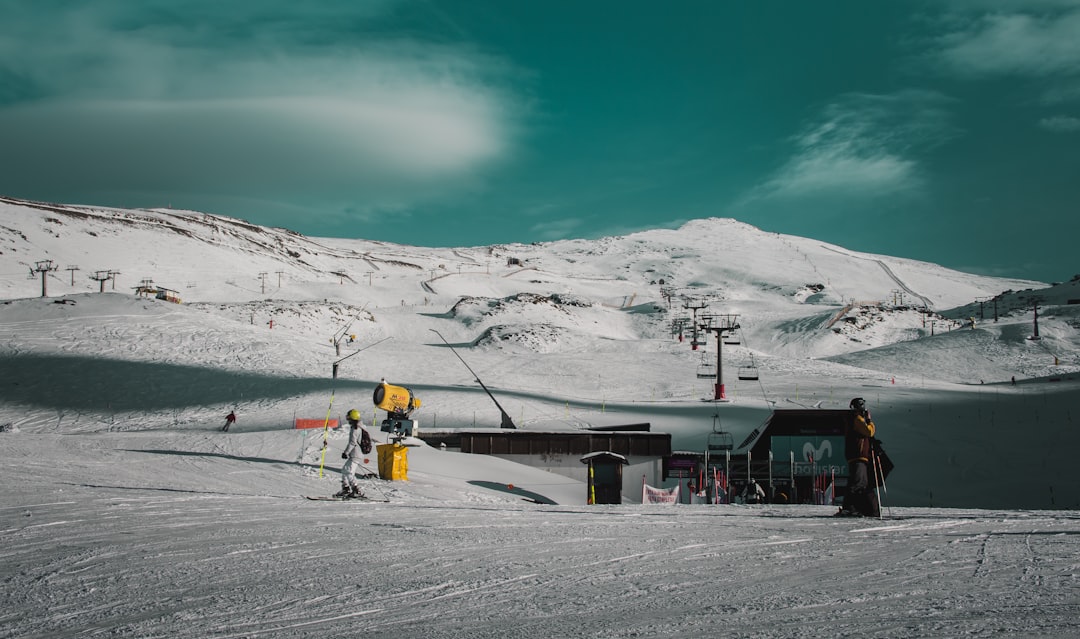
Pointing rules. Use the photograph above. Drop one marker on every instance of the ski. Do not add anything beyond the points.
(332, 498)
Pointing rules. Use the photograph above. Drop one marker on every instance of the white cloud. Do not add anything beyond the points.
(864, 145)
(1015, 44)
(320, 108)
(822, 171)
(1061, 124)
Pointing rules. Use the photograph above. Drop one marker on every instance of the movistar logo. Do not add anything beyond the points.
(821, 452)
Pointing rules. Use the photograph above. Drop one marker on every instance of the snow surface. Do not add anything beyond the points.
(127, 512)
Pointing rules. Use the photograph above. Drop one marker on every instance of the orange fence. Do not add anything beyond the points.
(314, 423)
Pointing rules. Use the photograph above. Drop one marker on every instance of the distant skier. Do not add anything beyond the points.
(754, 493)
(230, 419)
(359, 445)
(861, 498)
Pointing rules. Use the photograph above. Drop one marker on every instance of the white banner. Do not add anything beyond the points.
(650, 495)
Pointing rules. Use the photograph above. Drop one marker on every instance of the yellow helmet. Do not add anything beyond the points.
(353, 415)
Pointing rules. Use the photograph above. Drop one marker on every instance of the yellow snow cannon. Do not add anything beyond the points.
(399, 403)
(396, 400)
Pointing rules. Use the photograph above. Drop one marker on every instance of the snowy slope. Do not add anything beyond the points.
(149, 534)
(126, 512)
(568, 333)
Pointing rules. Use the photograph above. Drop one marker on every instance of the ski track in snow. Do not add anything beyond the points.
(127, 513)
(213, 555)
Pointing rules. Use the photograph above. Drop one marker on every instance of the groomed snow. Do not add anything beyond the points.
(126, 512)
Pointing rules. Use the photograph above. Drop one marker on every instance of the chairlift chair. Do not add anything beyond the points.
(718, 438)
(732, 338)
(707, 368)
(749, 372)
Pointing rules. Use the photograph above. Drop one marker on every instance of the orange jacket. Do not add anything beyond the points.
(857, 441)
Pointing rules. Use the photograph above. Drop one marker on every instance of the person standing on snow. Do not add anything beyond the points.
(754, 493)
(359, 445)
(230, 419)
(861, 499)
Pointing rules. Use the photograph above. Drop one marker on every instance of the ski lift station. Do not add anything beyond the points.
(168, 295)
(797, 455)
(575, 454)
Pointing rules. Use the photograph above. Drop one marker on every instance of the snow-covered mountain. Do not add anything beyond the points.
(570, 333)
(126, 511)
(784, 289)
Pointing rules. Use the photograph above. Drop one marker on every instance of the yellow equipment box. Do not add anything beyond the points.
(393, 462)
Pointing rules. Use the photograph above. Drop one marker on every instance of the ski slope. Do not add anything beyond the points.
(126, 511)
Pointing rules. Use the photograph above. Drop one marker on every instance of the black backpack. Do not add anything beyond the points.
(885, 465)
(365, 441)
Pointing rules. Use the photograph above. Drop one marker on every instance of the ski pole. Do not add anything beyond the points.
(879, 483)
(884, 487)
(377, 487)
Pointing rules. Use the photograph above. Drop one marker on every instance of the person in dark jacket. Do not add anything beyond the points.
(754, 493)
(861, 498)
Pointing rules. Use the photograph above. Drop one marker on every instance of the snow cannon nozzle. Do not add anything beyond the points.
(396, 400)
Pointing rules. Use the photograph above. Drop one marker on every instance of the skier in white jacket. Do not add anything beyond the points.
(359, 444)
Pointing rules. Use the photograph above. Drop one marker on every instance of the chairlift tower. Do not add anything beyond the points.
(44, 267)
(667, 292)
(721, 325)
(101, 277)
(694, 307)
(677, 326)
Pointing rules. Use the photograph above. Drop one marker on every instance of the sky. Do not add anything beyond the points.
(943, 131)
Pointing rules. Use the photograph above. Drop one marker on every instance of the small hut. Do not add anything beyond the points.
(605, 477)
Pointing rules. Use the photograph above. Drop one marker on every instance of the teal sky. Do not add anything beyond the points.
(946, 130)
